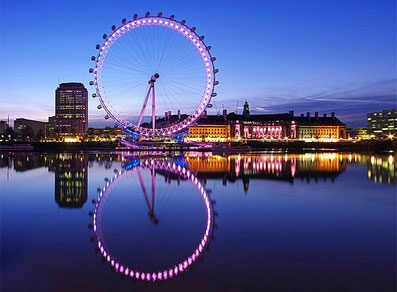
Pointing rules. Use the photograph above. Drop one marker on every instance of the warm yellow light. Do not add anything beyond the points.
(71, 140)
(391, 136)
(373, 160)
(391, 158)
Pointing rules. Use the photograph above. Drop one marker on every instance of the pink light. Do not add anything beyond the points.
(137, 275)
(132, 273)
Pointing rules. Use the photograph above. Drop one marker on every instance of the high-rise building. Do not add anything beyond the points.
(383, 123)
(71, 109)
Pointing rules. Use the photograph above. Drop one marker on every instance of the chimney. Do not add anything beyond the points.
(165, 116)
(302, 115)
(169, 115)
(179, 114)
(225, 115)
(316, 115)
(308, 115)
(325, 115)
(291, 113)
(333, 115)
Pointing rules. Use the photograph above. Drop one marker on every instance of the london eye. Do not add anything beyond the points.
(153, 75)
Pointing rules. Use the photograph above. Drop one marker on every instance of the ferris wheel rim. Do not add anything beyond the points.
(182, 29)
(179, 267)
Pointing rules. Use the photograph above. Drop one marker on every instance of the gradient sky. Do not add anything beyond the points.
(304, 55)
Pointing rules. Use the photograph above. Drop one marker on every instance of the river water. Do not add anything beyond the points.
(271, 221)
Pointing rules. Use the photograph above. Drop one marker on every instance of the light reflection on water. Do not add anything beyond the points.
(289, 216)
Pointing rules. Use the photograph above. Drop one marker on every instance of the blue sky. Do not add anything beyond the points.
(279, 55)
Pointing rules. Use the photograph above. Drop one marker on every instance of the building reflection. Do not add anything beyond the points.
(71, 179)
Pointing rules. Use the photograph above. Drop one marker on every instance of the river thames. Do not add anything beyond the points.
(270, 221)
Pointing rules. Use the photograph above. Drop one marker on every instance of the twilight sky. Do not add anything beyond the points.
(286, 55)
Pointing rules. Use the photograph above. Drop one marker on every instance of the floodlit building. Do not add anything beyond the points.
(358, 133)
(233, 126)
(71, 110)
(382, 124)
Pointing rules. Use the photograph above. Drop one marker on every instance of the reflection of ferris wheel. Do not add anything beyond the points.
(152, 166)
(159, 59)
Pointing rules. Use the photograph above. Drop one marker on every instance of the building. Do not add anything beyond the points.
(382, 124)
(358, 133)
(3, 127)
(320, 128)
(233, 126)
(105, 134)
(71, 110)
(210, 128)
(29, 129)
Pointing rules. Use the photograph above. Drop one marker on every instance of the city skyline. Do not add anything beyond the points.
(317, 57)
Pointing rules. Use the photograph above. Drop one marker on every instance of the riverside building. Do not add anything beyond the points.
(71, 110)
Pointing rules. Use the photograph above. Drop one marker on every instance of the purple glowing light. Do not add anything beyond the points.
(153, 21)
(161, 275)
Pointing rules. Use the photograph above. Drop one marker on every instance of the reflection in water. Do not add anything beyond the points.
(71, 175)
(168, 169)
(71, 180)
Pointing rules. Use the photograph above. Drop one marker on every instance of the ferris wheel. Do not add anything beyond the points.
(154, 75)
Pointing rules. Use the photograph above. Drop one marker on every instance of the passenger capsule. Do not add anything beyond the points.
(99, 106)
(106, 117)
(216, 83)
(147, 14)
(113, 27)
(214, 94)
(91, 70)
(208, 48)
(91, 83)
(172, 17)
(193, 29)
(183, 22)
(124, 21)
(93, 95)
(105, 36)
(135, 16)
(97, 47)
(93, 58)
(213, 59)
(209, 105)
(201, 38)
(216, 70)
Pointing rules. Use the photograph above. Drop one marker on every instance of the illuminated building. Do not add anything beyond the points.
(105, 134)
(71, 109)
(209, 128)
(382, 124)
(320, 128)
(267, 127)
(358, 133)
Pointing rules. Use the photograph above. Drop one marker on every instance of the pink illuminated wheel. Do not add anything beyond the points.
(150, 67)
(165, 272)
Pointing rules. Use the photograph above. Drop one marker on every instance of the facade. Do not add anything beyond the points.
(105, 134)
(382, 124)
(71, 110)
(267, 127)
(320, 128)
(358, 133)
(210, 128)
(30, 128)
(3, 127)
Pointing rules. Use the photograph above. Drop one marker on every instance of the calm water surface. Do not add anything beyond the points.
(263, 222)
